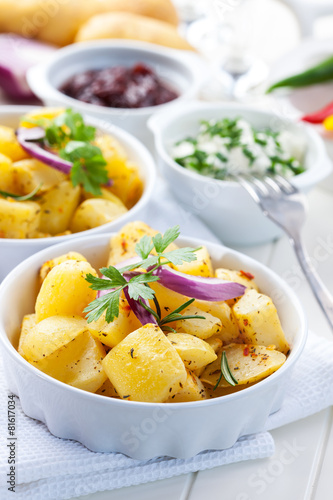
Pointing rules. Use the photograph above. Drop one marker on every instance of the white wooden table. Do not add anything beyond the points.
(301, 468)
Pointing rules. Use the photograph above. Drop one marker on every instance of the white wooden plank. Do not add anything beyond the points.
(323, 486)
(165, 489)
(288, 474)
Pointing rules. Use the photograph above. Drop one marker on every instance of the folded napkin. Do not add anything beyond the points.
(51, 468)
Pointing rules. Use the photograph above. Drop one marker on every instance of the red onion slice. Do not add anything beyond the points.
(27, 137)
(211, 289)
(140, 312)
(17, 55)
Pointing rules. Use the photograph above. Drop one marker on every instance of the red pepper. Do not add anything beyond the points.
(319, 116)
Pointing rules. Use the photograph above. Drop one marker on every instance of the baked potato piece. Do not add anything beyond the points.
(191, 390)
(229, 332)
(259, 322)
(6, 174)
(202, 266)
(63, 348)
(9, 145)
(195, 352)
(122, 245)
(112, 333)
(50, 264)
(47, 336)
(58, 206)
(31, 174)
(18, 219)
(247, 363)
(65, 290)
(202, 328)
(145, 366)
(95, 212)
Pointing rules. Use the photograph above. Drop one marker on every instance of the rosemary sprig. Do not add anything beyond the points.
(18, 197)
(225, 372)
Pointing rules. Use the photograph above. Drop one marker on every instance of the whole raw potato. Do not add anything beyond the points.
(132, 27)
(57, 21)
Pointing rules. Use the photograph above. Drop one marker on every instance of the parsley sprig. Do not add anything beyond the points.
(72, 140)
(137, 284)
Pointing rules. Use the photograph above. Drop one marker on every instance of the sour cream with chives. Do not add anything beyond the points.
(227, 147)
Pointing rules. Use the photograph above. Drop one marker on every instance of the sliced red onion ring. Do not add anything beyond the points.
(140, 312)
(27, 138)
(212, 289)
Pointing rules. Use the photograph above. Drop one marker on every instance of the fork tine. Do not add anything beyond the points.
(283, 184)
(248, 186)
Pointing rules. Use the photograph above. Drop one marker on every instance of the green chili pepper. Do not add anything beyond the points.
(322, 72)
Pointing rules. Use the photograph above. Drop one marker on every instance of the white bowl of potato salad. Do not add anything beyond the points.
(166, 345)
(62, 175)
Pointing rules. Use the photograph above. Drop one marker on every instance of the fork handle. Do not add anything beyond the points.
(323, 296)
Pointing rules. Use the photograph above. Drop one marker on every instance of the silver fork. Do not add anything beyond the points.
(287, 207)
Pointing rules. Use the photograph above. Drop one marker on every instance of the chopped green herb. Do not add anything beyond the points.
(225, 372)
(69, 137)
(138, 285)
(25, 197)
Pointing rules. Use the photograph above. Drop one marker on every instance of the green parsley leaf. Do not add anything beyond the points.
(180, 255)
(89, 166)
(108, 303)
(144, 247)
(162, 242)
(137, 287)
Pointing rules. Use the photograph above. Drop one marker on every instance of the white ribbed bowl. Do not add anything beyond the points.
(143, 430)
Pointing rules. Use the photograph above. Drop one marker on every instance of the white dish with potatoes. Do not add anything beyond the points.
(136, 398)
(23, 234)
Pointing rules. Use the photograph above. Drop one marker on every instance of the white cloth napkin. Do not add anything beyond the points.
(51, 468)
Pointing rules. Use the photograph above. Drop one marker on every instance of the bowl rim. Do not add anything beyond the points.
(104, 238)
(166, 118)
(38, 76)
(126, 139)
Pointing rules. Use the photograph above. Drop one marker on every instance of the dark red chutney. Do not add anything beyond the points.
(119, 87)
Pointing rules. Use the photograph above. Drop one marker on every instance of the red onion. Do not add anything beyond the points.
(28, 139)
(17, 55)
(211, 289)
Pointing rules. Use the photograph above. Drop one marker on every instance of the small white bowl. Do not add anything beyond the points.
(224, 205)
(13, 251)
(143, 430)
(183, 70)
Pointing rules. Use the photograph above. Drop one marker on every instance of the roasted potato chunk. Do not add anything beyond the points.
(65, 290)
(194, 352)
(145, 366)
(247, 363)
(202, 328)
(259, 322)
